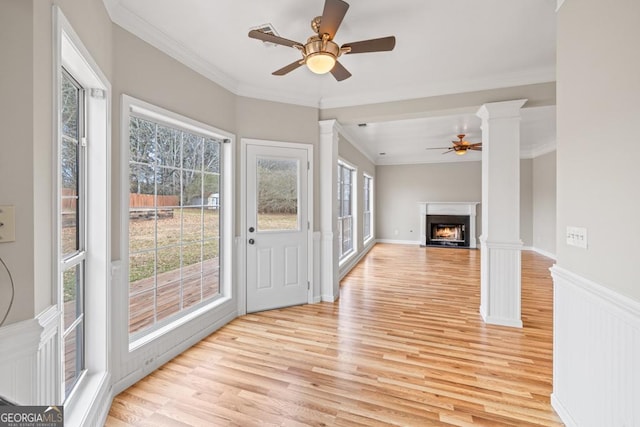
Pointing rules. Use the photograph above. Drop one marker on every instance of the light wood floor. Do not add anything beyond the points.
(404, 345)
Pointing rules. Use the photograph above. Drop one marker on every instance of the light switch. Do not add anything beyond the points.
(7, 224)
(577, 236)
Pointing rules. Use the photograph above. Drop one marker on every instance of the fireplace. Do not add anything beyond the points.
(447, 230)
(448, 224)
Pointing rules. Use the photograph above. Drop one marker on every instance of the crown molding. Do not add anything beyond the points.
(402, 161)
(356, 144)
(266, 94)
(157, 38)
(133, 23)
(542, 75)
(538, 151)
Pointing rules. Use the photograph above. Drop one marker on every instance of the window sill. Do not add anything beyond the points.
(155, 334)
(346, 258)
(90, 392)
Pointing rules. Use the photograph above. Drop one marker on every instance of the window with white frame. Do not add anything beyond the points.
(346, 229)
(175, 210)
(367, 208)
(73, 219)
(82, 204)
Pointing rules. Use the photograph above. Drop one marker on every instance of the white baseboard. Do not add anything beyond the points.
(562, 412)
(398, 242)
(499, 321)
(540, 251)
(596, 353)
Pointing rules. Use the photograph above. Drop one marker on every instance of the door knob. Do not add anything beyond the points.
(251, 241)
(251, 229)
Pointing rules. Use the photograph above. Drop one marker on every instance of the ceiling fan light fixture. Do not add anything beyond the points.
(461, 152)
(320, 54)
(320, 62)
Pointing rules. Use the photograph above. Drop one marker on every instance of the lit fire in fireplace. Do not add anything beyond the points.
(447, 232)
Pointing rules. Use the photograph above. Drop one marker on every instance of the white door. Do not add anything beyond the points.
(277, 227)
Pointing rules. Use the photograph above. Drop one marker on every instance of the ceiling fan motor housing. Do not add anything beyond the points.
(316, 45)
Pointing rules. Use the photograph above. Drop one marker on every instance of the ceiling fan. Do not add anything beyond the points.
(461, 146)
(320, 53)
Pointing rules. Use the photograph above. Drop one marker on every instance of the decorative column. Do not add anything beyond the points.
(500, 240)
(329, 285)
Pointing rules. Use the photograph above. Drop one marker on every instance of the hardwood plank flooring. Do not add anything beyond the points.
(404, 345)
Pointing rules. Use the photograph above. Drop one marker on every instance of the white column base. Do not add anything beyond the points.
(329, 274)
(500, 283)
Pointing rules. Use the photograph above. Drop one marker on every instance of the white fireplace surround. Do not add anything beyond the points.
(448, 208)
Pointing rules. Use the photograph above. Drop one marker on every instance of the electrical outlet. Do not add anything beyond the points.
(7, 224)
(577, 236)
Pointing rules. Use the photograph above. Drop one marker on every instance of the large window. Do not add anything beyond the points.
(72, 217)
(82, 235)
(367, 208)
(174, 218)
(345, 210)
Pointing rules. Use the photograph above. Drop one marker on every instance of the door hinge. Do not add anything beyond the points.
(308, 285)
(308, 166)
(308, 225)
(83, 141)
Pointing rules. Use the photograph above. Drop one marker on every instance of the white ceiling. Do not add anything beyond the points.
(412, 141)
(442, 47)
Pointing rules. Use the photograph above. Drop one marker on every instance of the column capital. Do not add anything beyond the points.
(328, 126)
(500, 110)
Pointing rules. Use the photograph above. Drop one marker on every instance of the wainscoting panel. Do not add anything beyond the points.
(596, 354)
(48, 359)
(18, 348)
(500, 283)
(28, 360)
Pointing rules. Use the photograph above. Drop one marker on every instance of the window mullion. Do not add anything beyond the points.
(71, 327)
(74, 260)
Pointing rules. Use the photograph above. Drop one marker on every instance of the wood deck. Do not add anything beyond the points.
(404, 345)
(167, 294)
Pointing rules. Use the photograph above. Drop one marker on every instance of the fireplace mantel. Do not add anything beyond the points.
(448, 208)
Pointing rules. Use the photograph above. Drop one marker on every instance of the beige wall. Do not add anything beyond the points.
(544, 203)
(350, 154)
(399, 188)
(26, 111)
(142, 71)
(134, 68)
(275, 121)
(526, 202)
(16, 160)
(598, 72)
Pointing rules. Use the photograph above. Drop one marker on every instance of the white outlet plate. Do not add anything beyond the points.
(577, 236)
(7, 224)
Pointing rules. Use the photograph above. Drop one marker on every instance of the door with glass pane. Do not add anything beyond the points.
(277, 227)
